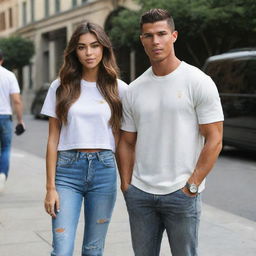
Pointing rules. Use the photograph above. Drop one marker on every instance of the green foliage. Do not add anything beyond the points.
(17, 51)
(206, 27)
(125, 29)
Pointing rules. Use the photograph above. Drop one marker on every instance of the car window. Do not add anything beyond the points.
(234, 75)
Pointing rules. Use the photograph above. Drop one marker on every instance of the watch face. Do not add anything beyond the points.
(193, 188)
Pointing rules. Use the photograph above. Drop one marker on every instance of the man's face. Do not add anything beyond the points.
(157, 39)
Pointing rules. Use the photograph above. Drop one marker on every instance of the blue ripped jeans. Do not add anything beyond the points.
(5, 143)
(89, 178)
(150, 215)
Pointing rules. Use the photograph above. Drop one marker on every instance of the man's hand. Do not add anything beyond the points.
(187, 192)
(20, 128)
(124, 187)
(125, 157)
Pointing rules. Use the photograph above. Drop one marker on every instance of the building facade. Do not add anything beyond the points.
(8, 17)
(49, 24)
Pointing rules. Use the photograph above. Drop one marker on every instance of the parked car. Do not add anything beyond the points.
(38, 101)
(235, 76)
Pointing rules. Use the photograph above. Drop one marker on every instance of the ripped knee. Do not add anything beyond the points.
(60, 230)
(102, 221)
(93, 248)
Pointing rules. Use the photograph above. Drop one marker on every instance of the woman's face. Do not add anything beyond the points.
(89, 51)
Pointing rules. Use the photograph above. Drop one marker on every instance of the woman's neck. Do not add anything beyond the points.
(90, 75)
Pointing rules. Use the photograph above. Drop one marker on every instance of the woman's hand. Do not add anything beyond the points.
(52, 202)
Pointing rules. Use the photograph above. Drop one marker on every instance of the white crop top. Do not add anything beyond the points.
(88, 118)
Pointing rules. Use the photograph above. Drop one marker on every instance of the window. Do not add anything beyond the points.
(10, 18)
(74, 3)
(2, 21)
(57, 5)
(234, 75)
(46, 8)
(24, 13)
(84, 1)
(32, 6)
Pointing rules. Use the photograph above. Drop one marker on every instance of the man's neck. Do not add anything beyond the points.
(165, 67)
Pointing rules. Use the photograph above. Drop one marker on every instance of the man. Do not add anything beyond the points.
(171, 138)
(9, 93)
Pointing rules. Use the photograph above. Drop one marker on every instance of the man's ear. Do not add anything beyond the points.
(174, 36)
(141, 39)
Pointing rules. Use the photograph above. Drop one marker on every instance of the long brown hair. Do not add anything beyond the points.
(72, 70)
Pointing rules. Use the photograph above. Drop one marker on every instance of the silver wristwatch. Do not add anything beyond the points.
(193, 188)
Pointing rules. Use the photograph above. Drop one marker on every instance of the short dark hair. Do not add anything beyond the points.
(155, 15)
(1, 55)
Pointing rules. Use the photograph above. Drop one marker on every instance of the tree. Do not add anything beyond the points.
(206, 27)
(17, 53)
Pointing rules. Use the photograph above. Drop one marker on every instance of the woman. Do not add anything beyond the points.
(85, 110)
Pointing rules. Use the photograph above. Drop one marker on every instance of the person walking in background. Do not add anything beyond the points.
(9, 96)
(171, 137)
(84, 106)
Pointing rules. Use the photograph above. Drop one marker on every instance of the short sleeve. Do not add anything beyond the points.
(122, 87)
(49, 106)
(14, 86)
(208, 105)
(128, 123)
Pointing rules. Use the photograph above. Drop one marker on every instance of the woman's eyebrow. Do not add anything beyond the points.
(95, 42)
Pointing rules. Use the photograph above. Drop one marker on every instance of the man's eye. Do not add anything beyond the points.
(147, 36)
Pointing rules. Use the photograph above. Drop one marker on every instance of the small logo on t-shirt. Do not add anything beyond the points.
(102, 101)
(179, 94)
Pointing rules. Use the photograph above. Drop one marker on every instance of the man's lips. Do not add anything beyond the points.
(157, 51)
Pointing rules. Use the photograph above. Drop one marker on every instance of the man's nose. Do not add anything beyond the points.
(155, 39)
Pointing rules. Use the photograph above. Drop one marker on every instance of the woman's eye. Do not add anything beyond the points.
(80, 47)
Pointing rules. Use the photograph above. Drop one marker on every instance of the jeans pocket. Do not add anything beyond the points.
(65, 158)
(108, 161)
(187, 195)
(128, 189)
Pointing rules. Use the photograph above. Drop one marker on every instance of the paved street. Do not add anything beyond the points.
(25, 227)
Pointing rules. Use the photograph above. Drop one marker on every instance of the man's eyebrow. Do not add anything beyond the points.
(147, 33)
(151, 33)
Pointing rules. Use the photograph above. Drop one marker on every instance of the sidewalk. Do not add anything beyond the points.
(25, 228)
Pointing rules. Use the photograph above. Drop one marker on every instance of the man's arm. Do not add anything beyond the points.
(125, 157)
(210, 152)
(18, 106)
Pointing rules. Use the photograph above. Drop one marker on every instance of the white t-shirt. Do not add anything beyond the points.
(165, 112)
(8, 86)
(88, 118)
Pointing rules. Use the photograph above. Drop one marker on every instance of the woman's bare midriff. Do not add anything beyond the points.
(89, 150)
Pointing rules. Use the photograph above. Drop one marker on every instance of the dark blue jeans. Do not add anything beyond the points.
(5, 142)
(88, 178)
(150, 215)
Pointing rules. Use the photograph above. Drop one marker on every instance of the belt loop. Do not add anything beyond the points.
(98, 155)
(77, 155)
